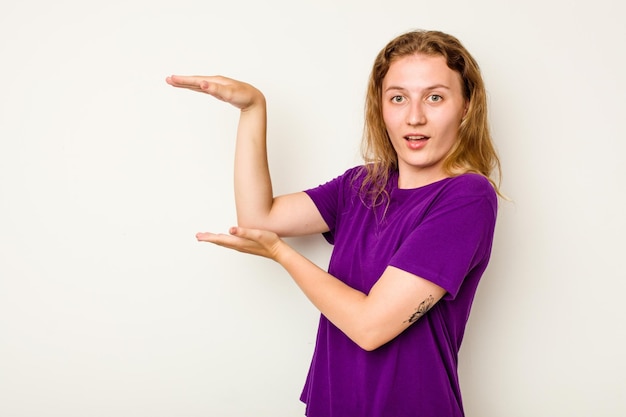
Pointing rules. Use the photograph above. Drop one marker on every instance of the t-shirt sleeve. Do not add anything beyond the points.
(454, 238)
(330, 198)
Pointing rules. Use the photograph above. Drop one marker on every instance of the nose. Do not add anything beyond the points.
(416, 114)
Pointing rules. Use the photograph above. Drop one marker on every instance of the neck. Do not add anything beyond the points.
(420, 178)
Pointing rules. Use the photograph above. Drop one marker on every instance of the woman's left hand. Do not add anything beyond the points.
(253, 241)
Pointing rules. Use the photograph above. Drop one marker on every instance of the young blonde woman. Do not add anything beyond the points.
(412, 230)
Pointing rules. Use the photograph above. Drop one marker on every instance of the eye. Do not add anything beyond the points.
(397, 99)
(435, 98)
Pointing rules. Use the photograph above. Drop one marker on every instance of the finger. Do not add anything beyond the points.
(248, 234)
(219, 87)
(210, 237)
(236, 234)
(236, 243)
(269, 241)
(177, 81)
(229, 241)
(223, 92)
(189, 82)
(191, 87)
(186, 81)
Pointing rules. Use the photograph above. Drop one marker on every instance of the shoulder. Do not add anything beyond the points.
(347, 182)
(468, 190)
(470, 184)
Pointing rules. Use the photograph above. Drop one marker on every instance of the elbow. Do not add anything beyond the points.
(370, 334)
(251, 223)
(370, 341)
(247, 222)
(369, 347)
(261, 224)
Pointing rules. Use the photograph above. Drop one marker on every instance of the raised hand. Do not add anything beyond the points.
(241, 95)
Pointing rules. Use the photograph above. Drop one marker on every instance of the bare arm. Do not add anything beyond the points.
(397, 300)
(288, 215)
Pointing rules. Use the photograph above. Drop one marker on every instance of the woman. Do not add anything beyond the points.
(412, 230)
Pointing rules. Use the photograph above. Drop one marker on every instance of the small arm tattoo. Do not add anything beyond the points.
(421, 309)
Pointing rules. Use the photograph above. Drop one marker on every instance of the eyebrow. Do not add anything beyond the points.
(432, 87)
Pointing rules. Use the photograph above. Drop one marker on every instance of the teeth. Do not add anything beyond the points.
(415, 137)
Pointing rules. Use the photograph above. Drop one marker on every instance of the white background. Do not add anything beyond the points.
(108, 305)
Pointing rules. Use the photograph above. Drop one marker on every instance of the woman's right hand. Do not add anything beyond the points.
(241, 95)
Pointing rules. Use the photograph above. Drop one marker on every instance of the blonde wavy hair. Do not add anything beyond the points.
(472, 152)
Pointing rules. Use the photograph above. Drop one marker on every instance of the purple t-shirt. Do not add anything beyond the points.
(441, 232)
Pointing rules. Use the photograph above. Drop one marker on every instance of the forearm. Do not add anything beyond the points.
(395, 301)
(344, 306)
(253, 185)
(287, 215)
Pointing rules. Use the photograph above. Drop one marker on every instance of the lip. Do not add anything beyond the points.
(416, 136)
(416, 141)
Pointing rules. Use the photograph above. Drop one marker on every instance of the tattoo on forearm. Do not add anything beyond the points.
(421, 309)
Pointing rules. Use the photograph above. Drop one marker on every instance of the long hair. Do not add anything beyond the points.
(472, 152)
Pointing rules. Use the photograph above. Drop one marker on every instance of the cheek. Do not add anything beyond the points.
(385, 113)
(451, 123)
(390, 118)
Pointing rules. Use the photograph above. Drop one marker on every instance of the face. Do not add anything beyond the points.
(422, 104)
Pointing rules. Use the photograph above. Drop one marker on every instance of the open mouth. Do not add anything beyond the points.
(416, 138)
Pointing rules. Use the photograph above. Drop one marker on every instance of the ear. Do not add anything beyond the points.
(466, 108)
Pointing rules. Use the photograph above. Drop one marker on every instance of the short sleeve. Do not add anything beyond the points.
(330, 197)
(455, 236)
